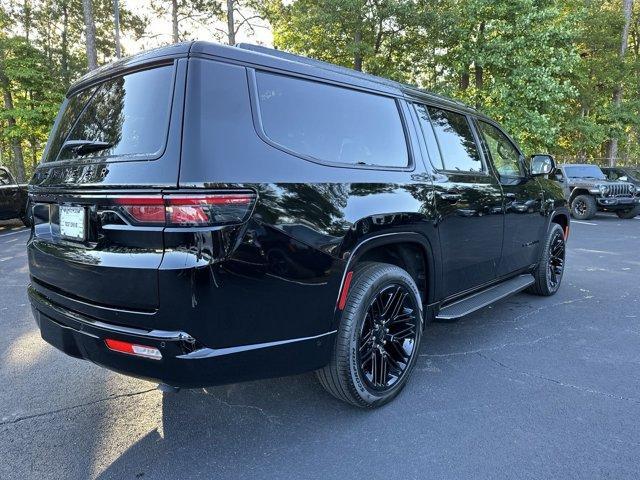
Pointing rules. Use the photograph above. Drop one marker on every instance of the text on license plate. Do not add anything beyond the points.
(72, 222)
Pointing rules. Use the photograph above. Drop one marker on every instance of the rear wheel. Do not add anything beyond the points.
(548, 273)
(584, 207)
(629, 213)
(378, 339)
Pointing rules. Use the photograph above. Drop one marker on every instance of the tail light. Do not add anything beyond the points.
(188, 210)
(133, 349)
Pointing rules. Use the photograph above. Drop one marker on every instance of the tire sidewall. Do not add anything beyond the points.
(368, 396)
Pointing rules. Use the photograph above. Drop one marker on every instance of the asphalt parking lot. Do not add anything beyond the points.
(529, 388)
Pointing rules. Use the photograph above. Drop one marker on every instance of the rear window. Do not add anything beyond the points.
(124, 116)
(331, 124)
(457, 145)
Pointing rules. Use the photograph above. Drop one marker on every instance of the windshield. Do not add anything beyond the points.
(123, 116)
(584, 171)
(634, 173)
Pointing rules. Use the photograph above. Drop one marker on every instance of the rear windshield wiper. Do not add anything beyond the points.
(82, 147)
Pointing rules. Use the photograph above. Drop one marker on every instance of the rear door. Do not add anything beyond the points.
(525, 218)
(115, 142)
(468, 201)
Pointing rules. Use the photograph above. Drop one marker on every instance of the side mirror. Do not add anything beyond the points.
(559, 178)
(541, 164)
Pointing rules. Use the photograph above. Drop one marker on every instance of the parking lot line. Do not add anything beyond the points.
(583, 223)
(13, 232)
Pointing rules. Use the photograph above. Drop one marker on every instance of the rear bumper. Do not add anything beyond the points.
(185, 362)
(618, 202)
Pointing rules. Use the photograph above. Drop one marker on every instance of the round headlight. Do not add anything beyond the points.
(632, 188)
(603, 189)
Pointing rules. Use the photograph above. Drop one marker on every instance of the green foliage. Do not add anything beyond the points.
(41, 53)
(547, 69)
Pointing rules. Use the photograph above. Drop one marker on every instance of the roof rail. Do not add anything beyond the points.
(349, 71)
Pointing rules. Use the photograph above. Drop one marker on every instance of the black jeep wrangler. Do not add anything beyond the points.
(623, 174)
(589, 191)
(208, 214)
(13, 197)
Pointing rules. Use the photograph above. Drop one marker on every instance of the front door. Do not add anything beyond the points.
(523, 201)
(468, 200)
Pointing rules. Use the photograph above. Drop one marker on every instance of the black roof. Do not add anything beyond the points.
(271, 58)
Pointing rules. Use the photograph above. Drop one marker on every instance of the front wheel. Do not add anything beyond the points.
(584, 207)
(629, 213)
(548, 274)
(378, 339)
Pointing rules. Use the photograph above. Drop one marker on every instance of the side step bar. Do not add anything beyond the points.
(485, 297)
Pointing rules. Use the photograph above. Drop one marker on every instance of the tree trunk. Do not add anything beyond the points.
(627, 10)
(174, 21)
(90, 34)
(16, 146)
(116, 22)
(464, 80)
(357, 56)
(26, 8)
(64, 61)
(231, 24)
(479, 71)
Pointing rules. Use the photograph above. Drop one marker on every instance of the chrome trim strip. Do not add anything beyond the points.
(161, 335)
(217, 352)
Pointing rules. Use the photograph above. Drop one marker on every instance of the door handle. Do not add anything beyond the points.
(451, 197)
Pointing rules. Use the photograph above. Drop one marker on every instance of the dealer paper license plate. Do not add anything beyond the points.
(72, 222)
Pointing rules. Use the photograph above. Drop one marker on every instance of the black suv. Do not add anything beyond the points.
(208, 214)
(589, 191)
(13, 197)
(623, 174)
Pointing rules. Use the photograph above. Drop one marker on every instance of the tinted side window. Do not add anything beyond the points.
(330, 123)
(429, 136)
(505, 156)
(129, 113)
(69, 115)
(5, 179)
(455, 139)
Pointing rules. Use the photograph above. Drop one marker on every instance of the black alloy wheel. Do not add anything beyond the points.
(556, 257)
(388, 337)
(581, 207)
(549, 271)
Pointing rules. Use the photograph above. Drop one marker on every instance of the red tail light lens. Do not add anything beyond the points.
(217, 209)
(133, 349)
(144, 209)
(188, 210)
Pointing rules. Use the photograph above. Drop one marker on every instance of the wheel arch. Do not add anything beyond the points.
(578, 191)
(563, 218)
(387, 242)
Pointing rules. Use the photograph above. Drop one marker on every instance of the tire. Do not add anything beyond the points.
(584, 207)
(347, 376)
(628, 214)
(546, 283)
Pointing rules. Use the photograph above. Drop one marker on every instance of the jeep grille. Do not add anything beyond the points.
(619, 190)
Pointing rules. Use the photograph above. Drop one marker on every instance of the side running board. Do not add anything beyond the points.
(474, 302)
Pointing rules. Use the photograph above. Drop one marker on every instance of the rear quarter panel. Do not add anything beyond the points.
(282, 278)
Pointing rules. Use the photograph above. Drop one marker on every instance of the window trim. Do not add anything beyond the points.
(126, 157)
(485, 168)
(476, 121)
(259, 127)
